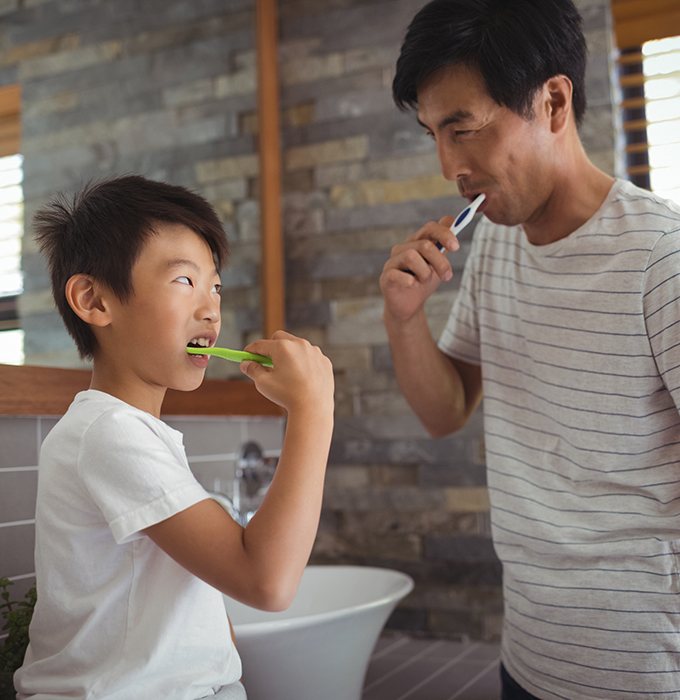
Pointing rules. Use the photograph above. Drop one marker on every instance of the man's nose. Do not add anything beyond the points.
(453, 162)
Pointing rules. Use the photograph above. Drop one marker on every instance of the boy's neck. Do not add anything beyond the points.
(132, 390)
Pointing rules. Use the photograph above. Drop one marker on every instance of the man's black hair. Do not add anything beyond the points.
(516, 45)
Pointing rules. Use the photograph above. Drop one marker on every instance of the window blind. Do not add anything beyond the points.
(11, 225)
(648, 37)
(11, 278)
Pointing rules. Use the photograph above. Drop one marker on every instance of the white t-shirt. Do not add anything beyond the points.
(116, 617)
(579, 346)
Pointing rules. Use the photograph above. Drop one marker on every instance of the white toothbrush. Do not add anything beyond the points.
(464, 218)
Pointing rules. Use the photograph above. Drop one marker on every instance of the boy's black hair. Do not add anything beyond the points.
(516, 45)
(101, 232)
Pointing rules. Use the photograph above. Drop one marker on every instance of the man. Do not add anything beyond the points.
(567, 323)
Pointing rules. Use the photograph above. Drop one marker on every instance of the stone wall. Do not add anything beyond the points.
(157, 88)
(360, 177)
(167, 89)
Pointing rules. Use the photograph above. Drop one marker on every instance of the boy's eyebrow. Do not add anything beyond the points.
(183, 262)
(460, 115)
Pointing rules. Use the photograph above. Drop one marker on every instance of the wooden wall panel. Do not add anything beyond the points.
(48, 391)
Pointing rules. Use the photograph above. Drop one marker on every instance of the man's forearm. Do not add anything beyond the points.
(429, 381)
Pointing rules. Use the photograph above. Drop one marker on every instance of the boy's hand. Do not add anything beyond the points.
(416, 268)
(302, 376)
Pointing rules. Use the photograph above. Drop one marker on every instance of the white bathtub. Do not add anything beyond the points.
(319, 648)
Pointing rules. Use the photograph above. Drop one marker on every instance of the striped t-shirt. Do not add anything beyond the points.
(579, 344)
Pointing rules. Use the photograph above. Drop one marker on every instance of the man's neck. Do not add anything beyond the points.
(578, 192)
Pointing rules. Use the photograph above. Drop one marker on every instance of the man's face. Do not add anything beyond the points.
(486, 147)
(175, 300)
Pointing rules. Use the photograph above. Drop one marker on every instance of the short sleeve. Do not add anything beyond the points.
(135, 472)
(661, 307)
(460, 337)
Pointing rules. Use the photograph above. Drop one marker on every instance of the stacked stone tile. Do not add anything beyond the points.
(168, 89)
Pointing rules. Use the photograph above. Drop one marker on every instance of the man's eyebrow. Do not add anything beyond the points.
(460, 115)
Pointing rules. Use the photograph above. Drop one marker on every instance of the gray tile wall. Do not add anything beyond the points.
(212, 445)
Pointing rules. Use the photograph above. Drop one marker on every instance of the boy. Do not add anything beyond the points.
(132, 555)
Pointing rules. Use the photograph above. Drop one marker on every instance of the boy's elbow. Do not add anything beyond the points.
(277, 604)
(275, 596)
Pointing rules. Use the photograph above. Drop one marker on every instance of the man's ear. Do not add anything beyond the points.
(559, 91)
(84, 296)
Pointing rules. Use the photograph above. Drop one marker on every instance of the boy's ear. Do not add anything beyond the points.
(83, 294)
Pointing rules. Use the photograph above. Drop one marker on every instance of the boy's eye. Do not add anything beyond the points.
(184, 280)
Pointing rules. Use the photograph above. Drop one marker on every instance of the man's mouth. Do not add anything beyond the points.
(471, 195)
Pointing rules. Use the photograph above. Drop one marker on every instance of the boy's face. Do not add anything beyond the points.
(486, 147)
(175, 299)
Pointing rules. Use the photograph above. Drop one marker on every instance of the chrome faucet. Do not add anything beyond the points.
(254, 472)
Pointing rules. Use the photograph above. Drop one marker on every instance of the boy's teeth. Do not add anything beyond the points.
(202, 342)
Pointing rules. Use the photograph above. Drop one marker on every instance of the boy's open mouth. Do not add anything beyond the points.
(199, 343)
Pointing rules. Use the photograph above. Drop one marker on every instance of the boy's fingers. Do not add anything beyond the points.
(251, 369)
(273, 345)
(276, 335)
(260, 347)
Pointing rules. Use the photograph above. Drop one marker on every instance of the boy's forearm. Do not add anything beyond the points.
(279, 538)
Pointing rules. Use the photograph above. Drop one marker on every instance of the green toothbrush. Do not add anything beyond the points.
(233, 355)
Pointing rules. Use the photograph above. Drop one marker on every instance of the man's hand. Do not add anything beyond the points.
(416, 268)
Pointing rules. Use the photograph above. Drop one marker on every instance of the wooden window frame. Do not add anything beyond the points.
(10, 120)
(636, 22)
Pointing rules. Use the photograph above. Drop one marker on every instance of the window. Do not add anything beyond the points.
(11, 227)
(648, 37)
(11, 278)
(661, 68)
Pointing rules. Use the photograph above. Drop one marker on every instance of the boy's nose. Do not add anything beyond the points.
(211, 315)
(209, 310)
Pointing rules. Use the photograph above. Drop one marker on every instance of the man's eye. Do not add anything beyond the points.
(184, 280)
(217, 288)
(463, 133)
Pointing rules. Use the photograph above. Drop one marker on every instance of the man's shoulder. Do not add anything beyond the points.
(630, 200)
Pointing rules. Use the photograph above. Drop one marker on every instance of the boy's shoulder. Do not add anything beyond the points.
(100, 418)
(90, 406)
